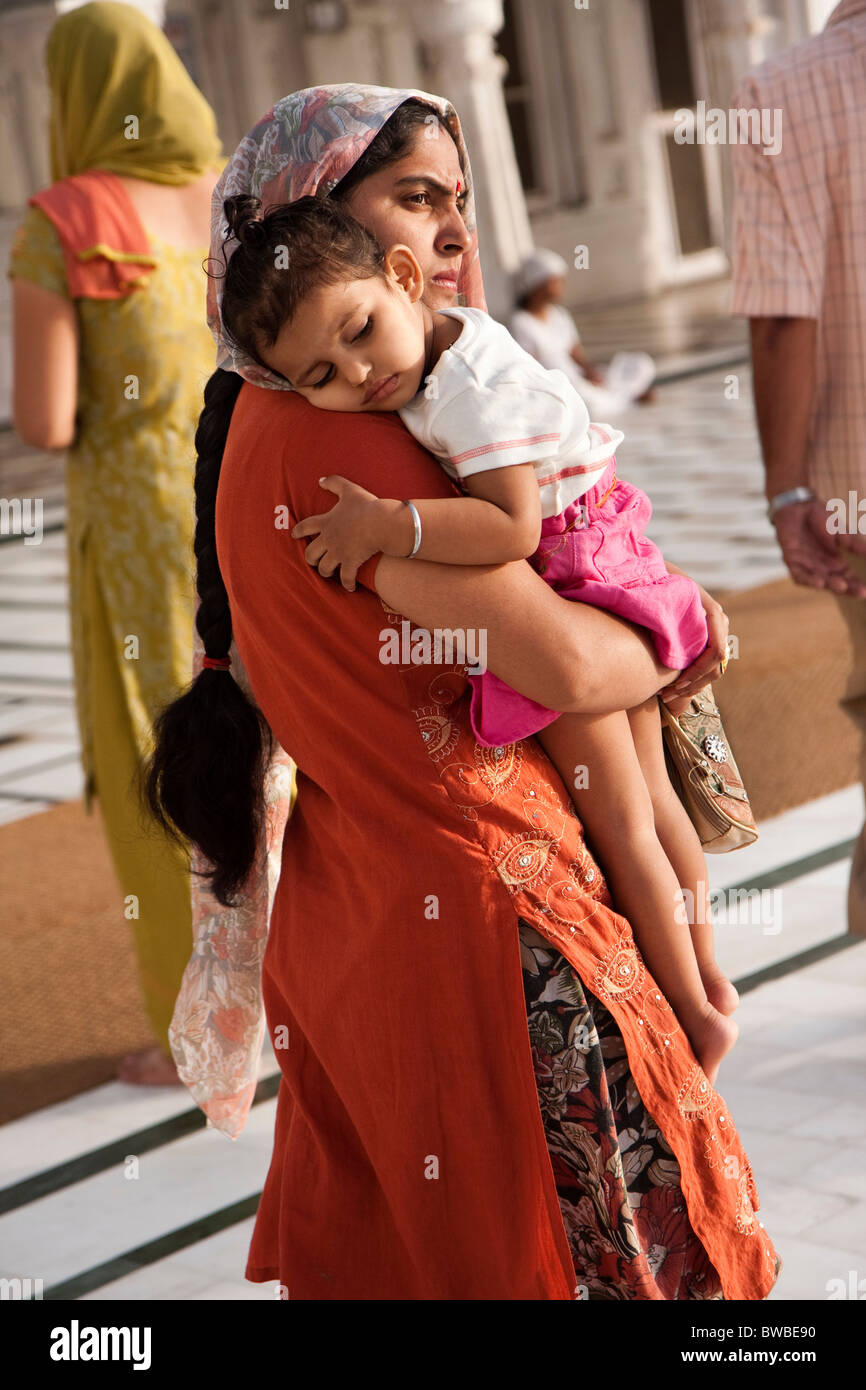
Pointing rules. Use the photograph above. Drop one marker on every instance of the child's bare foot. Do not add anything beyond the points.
(712, 1036)
(720, 992)
(149, 1068)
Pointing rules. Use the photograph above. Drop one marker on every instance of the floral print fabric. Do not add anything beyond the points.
(218, 1027)
(617, 1180)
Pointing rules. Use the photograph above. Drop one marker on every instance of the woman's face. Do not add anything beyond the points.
(555, 288)
(416, 202)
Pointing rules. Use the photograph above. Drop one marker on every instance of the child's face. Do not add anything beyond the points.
(360, 344)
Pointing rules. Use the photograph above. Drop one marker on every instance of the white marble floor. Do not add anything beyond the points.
(39, 744)
(796, 1085)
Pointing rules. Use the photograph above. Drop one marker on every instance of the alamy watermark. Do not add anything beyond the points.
(77, 1343)
(20, 1290)
(756, 907)
(846, 518)
(21, 516)
(740, 126)
(443, 646)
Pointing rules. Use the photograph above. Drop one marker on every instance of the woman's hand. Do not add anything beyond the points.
(348, 534)
(707, 666)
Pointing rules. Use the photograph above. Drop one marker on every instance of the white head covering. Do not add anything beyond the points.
(534, 269)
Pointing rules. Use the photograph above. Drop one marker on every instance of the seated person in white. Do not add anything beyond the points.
(543, 326)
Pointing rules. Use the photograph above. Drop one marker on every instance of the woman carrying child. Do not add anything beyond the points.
(484, 1092)
(357, 336)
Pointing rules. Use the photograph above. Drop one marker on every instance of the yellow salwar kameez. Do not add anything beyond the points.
(143, 363)
(123, 103)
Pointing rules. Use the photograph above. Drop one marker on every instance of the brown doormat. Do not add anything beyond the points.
(779, 699)
(71, 1006)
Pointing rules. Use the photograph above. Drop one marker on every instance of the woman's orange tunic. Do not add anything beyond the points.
(410, 1159)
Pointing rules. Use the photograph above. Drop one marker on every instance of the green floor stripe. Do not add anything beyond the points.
(159, 1249)
(790, 964)
(739, 357)
(797, 868)
(87, 1165)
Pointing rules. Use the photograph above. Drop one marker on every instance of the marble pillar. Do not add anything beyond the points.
(462, 65)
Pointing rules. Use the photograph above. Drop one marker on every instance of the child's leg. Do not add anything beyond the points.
(617, 811)
(681, 844)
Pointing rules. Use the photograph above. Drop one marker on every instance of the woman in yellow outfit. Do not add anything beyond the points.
(112, 351)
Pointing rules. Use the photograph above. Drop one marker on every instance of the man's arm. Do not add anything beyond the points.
(784, 379)
(779, 245)
(783, 366)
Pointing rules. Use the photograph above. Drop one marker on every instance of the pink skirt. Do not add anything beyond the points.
(596, 552)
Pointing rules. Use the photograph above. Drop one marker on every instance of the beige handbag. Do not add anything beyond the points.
(704, 775)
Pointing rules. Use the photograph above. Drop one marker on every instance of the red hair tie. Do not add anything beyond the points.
(217, 663)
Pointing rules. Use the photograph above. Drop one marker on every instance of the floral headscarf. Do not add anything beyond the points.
(309, 140)
(305, 145)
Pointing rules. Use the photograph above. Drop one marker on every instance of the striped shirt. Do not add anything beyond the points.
(799, 228)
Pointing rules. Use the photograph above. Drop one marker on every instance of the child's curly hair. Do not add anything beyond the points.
(285, 253)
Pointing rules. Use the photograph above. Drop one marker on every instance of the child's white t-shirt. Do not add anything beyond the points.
(488, 404)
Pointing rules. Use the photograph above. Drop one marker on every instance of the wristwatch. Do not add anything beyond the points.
(793, 494)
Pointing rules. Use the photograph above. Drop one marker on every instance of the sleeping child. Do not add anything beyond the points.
(311, 295)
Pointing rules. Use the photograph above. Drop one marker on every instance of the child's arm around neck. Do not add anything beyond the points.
(501, 518)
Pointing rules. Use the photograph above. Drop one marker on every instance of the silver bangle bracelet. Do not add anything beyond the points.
(782, 499)
(417, 520)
